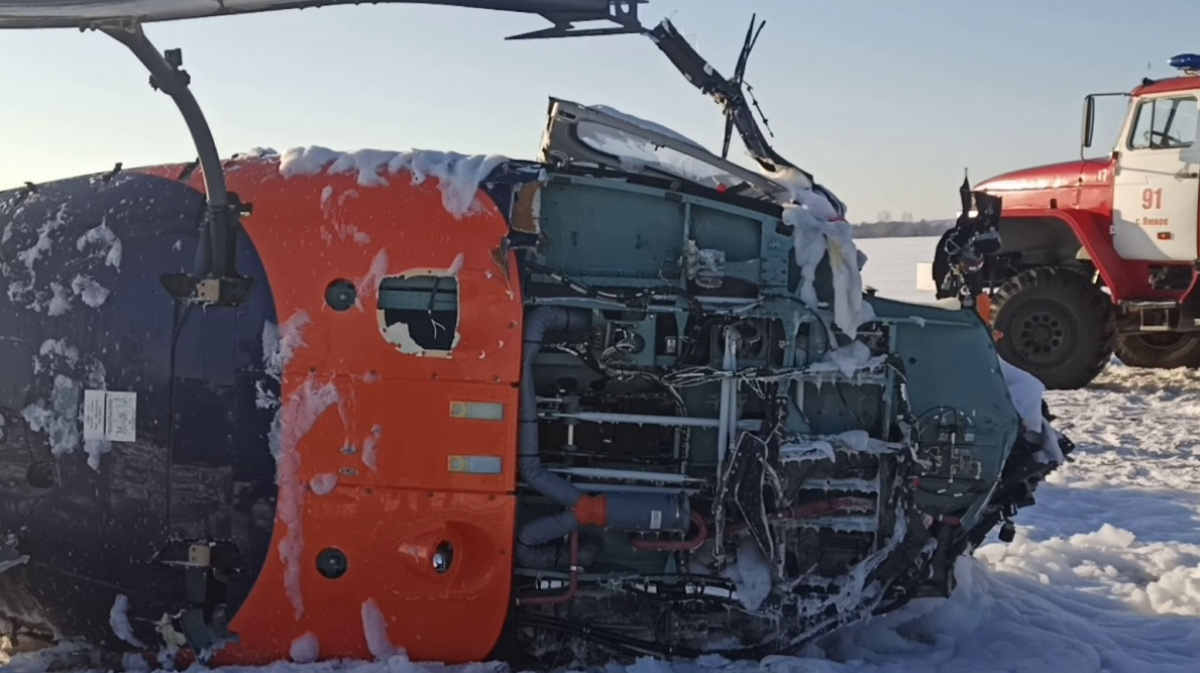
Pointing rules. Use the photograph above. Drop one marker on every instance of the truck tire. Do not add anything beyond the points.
(1055, 324)
(1165, 350)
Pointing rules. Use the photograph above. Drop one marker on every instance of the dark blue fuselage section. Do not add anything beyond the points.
(82, 309)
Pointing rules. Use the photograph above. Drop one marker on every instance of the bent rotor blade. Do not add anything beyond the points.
(91, 13)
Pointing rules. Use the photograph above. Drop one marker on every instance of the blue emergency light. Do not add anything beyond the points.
(1185, 62)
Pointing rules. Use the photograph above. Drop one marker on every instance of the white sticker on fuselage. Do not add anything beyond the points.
(93, 414)
(109, 415)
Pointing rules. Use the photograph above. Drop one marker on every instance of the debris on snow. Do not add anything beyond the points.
(458, 175)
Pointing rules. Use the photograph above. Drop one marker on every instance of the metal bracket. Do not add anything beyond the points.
(215, 279)
(202, 623)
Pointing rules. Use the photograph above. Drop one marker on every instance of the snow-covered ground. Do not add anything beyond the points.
(1104, 574)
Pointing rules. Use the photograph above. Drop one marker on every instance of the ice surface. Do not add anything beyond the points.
(459, 175)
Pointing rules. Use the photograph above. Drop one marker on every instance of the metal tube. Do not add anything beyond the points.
(728, 400)
(221, 249)
(632, 475)
(639, 419)
(635, 419)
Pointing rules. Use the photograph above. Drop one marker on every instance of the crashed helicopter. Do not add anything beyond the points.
(628, 397)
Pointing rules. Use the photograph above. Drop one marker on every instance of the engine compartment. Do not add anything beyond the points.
(776, 478)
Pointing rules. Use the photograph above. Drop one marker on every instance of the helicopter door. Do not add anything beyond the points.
(1156, 197)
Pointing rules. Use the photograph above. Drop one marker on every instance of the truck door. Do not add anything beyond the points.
(1156, 187)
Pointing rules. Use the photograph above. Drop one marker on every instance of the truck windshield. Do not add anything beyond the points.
(1164, 123)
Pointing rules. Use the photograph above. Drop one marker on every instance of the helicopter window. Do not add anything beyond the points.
(419, 313)
(635, 153)
(1164, 123)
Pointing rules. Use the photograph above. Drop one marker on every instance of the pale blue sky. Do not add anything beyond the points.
(885, 101)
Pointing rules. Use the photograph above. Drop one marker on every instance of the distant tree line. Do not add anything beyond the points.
(887, 227)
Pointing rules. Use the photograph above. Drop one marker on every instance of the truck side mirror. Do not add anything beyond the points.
(1089, 120)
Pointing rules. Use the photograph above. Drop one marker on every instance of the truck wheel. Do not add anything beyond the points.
(1165, 350)
(1056, 325)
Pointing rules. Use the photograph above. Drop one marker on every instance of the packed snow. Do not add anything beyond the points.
(118, 619)
(458, 175)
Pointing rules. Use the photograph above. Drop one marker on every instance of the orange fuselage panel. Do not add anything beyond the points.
(372, 439)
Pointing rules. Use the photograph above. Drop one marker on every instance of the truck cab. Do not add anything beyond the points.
(1100, 255)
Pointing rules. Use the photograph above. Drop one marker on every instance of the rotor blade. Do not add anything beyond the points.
(706, 78)
(89, 13)
(739, 71)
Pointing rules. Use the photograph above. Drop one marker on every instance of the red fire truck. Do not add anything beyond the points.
(1102, 255)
